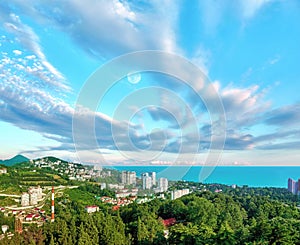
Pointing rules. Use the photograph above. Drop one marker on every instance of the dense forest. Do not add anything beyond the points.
(201, 218)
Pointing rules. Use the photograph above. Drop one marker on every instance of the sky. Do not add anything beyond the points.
(241, 106)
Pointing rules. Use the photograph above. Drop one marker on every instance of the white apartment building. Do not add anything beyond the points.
(25, 199)
(153, 177)
(115, 186)
(33, 198)
(37, 190)
(179, 193)
(147, 181)
(163, 184)
(128, 177)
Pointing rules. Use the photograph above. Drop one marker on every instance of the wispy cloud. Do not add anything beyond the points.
(108, 28)
(250, 7)
(292, 145)
(284, 116)
(213, 12)
(29, 40)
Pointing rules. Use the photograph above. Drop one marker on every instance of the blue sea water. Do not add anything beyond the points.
(275, 176)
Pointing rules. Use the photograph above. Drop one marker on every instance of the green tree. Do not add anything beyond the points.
(51, 240)
(181, 234)
(225, 235)
(83, 236)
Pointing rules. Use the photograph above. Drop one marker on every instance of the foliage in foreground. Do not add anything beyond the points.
(203, 218)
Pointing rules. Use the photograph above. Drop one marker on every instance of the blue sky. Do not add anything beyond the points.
(248, 50)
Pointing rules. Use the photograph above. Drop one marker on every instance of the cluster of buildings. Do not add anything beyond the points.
(3, 171)
(32, 197)
(118, 202)
(128, 178)
(149, 180)
(294, 186)
(36, 214)
(123, 201)
(112, 186)
(74, 171)
(126, 193)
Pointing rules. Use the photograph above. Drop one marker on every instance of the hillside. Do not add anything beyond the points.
(16, 159)
(50, 159)
(46, 171)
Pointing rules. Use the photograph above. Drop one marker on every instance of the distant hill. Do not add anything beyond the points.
(51, 159)
(16, 159)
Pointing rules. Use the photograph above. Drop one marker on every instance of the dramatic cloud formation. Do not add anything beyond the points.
(105, 28)
(36, 95)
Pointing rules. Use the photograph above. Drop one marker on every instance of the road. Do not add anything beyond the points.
(42, 202)
(8, 195)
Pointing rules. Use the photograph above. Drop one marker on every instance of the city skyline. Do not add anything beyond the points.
(247, 50)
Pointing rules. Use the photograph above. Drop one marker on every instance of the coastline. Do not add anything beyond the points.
(253, 176)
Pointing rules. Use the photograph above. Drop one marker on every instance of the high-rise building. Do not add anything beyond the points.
(147, 181)
(163, 184)
(128, 178)
(25, 199)
(33, 198)
(37, 190)
(153, 177)
(293, 186)
(124, 177)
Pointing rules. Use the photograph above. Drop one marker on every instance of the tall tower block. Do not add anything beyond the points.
(52, 205)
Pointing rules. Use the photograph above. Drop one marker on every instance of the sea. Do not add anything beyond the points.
(253, 176)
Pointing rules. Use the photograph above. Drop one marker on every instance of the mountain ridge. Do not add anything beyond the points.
(14, 160)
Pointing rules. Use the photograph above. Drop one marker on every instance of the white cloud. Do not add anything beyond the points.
(30, 41)
(17, 52)
(123, 10)
(108, 28)
(251, 7)
(244, 106)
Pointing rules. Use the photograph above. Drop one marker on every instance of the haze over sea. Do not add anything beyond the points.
(270, 176)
